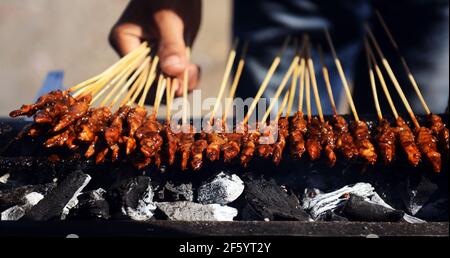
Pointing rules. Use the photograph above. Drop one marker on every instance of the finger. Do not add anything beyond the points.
(125, 38)
(172, 49)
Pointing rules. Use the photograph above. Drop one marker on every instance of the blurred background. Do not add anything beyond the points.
(43, 35)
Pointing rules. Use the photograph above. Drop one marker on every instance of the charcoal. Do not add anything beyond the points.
(190, 211)
(176, 192)
(434, 211)
(265, 200)
(222, 189)
(358, 209)
(52, 206)
(331, 216)
(17, 195)
(18, 211)
(133, 198)
(91, 205)
(417, 192)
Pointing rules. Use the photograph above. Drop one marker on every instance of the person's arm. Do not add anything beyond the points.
(165, 24)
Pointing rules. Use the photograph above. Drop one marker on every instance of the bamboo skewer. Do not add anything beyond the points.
(124, 59)
(265, 82)
(282, 107)
(281, 87)
(235, 82)
(308, 94)
(403, 61)
(293, 88)
(383, 83)
(148, 84)
(302, 85)
(342, 75)
(159, 93)
(226, 77)
(314, 85)
(185, 88)
(326, 77)
(392, 77)
(138, 73)
(109, 79)
(372, 81)
(125, 79)
(168, 91)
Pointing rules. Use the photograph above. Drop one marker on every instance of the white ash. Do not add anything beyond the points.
(190, 211)
(145, 207)
(4, 178)
(74, 201)
(18, 211)
(223, 189)
(317, 203)
(321, 203)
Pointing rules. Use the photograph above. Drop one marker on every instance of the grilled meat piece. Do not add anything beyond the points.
(149, 136)
(75, 112)
(329, 143)
(113, 134)
(313, 142)
(344, 140)
(407, 142)
(427, 144)
(297, 134)
(197, 150)
(366, 149)
(440, 131)
(232, 146)
(249, 141)
(215, 141)
(96, 121)
(31, 109)
(386, 136)
(135, 119)
(283, 132)
(186, 142)
(172, 140)
(265, 146)
(52, 111)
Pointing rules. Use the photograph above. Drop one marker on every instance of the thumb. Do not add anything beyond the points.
(172, 48)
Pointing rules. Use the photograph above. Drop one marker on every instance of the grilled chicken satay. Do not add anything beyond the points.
(385, 138)
(197, 150)
(95, 123)
(113, 134)
(314, 139)
(232, 146)
(135, 119)
(51, 112)
(75, 112)
(215, 141)
(407, 142)
(249, 141)
(186, 141)
(297, 134)
(149, 137)
(283, 133)
(366, 149)
(45, 100)
(265, 148)
(440, 131)
(172, 140)
(344, 140)
(329, 143)
(427, 144)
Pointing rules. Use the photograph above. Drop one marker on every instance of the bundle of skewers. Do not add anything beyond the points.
(105, 119)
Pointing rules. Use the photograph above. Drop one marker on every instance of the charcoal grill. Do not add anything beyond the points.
(27, 160)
